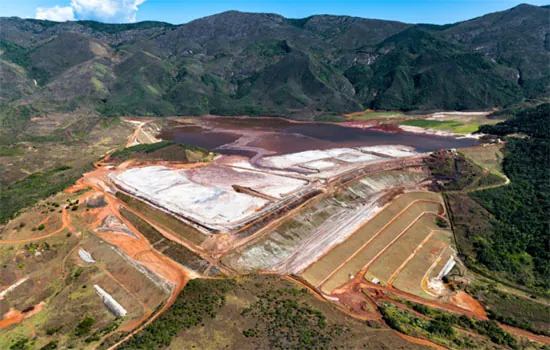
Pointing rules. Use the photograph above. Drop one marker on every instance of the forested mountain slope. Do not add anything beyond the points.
(265, 64)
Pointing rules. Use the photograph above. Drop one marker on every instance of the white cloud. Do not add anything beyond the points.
(107, 10)
(56, 13)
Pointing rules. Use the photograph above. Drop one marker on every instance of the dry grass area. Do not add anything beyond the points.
(487, 156)
(302, 238)
(384, 238)
(57, 290)
(62, 139)
(411, 276)
(354, 253)
(388, 263)
(250, 304)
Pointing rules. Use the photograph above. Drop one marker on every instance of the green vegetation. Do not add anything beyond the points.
(289, 324)
(296, 68)
(142, 148)
(466, 129)
(441, 222)
(516, 244)
(448, 125)
(376, 115)
(330, 118)
(276, 317)
(21, 344)
(431, 124)
(50, 346)
(10, 151)
(31, 189)
(460, 174)
(441, 327)
(84, 326)
(165, 150)
(256, 312)
(513, 310)
(117, 28)
(199, 301)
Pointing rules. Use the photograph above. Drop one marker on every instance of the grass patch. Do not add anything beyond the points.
(330, 118)
(175, 152)
(376, 115)
(198, 302)
(98, 85)
(441, 328)
(33, 188)
(513, 310)
(6, 151)
(466, 129)
(432, 124)
(447, 125)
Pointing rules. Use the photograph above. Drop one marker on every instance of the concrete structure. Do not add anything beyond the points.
(112, 305)
(84, 255)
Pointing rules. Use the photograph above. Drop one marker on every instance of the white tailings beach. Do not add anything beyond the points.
(172, 189)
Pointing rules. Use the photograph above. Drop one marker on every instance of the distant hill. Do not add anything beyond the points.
(264, 64)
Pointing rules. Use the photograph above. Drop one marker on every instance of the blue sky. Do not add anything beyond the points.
(182, 11)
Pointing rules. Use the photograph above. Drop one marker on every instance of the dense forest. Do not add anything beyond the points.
(517, 245)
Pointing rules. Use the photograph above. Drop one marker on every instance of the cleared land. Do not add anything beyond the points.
(298, 240)
(486, 156)
(354, 253)
(383, 267)
(411, 276)
(383, 239)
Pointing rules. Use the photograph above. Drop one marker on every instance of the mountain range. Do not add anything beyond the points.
(237, 63)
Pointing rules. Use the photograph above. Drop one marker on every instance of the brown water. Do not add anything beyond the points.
(283, 136)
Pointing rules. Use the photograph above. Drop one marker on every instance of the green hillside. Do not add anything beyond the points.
(264, 64)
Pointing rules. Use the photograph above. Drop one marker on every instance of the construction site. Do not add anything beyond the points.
(353, 225)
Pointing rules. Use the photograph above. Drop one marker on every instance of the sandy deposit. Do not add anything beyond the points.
(329, 163)
(396, 151)
(294, 159)
(225, 177)
(173, 190)
(332, 232)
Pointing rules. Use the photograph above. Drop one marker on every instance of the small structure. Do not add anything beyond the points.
(87, 257)
(112, 305)
(446, 269)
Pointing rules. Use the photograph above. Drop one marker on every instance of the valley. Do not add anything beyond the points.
(357, 223)
(250, 180)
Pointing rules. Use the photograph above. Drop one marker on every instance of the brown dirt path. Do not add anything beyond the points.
(419, 341)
